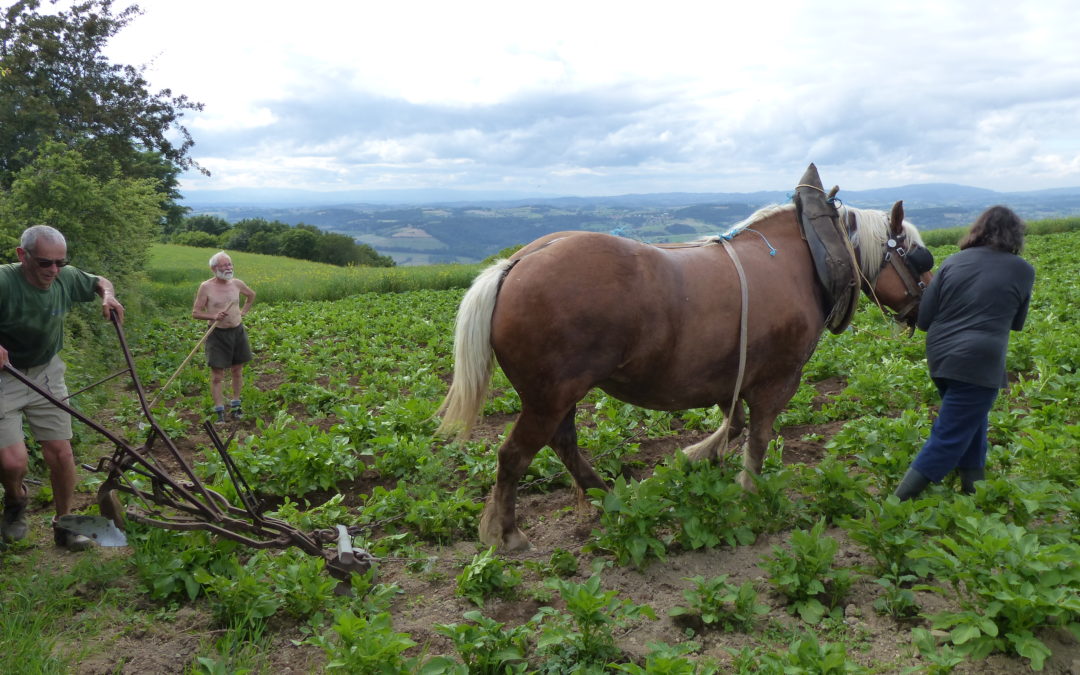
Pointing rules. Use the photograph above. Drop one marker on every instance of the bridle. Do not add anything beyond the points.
(898, 254)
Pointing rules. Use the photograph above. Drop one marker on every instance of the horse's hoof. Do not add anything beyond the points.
(697, 453)
(747, 483)
(509, 543)
(515, 542)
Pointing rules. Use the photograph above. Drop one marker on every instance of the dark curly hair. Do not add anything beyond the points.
(997, 227)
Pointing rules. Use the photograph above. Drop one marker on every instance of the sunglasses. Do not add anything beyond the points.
(49, 262)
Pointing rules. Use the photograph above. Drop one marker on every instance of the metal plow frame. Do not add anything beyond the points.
(193, 505)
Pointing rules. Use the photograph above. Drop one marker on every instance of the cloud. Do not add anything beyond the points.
(602, 96)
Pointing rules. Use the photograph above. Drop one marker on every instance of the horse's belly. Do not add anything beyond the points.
(661, 398)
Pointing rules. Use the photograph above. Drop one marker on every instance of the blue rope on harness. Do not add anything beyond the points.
(834, 200)
(730, 234)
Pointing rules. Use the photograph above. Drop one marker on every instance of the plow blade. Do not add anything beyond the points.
(101, 530)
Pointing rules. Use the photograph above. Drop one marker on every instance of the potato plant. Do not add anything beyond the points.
(341, 398)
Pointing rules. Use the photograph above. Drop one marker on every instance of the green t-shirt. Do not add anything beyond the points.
(32, 319)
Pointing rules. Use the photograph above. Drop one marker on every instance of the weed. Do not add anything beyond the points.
(805, 575)
(715, 602)
(897, 599)
(664, 659)
(1008, 583)
(584, 634)
(890, 529)
(487, 576)
(487, 647)
(241, 598)
(943, 658)
(632, 515)
(366, 645)
(833, 490)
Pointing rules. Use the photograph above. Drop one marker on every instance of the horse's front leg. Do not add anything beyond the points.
(763, 413)
(498, 522)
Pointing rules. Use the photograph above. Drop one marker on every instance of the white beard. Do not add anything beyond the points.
(224, 275)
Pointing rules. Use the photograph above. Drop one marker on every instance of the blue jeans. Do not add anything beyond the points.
(958, 437)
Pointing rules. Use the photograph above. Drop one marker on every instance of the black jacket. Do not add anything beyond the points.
(977, 296)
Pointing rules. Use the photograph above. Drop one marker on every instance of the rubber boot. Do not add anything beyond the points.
(912, 485)
(13, 524)
(968, 478)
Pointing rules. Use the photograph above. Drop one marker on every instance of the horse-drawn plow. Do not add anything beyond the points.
(182, 502)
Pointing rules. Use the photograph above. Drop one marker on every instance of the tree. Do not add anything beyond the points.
(336, 249)
(298, 243)
(56, 85)
(367, 255)
(109, 223)
(207, 223)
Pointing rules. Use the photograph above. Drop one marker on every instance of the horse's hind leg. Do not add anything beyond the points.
(710, 447)
(564, 442)
(498, 526)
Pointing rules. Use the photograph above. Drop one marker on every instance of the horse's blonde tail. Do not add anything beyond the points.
(473, 357)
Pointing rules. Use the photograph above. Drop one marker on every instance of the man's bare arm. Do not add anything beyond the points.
(248, 294)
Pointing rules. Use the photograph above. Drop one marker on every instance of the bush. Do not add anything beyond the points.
(195, 238)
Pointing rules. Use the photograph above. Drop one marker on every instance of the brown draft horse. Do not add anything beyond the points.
(654, 326)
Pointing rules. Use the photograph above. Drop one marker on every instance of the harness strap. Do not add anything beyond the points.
(742, 335)
(912, 286)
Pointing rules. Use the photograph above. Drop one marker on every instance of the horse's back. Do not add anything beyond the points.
(659, 327)
(593, 308)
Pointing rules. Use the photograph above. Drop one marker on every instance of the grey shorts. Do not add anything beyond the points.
(227, 347)
(47, 422)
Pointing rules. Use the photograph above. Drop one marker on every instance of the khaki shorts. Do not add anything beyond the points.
(47, 422)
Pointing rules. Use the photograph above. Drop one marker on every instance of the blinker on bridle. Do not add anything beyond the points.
(916, 262)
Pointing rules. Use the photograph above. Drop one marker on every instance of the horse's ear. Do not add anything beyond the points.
(833, 191)
(896, 218)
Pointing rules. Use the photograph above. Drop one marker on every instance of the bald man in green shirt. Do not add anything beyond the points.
(35, 295)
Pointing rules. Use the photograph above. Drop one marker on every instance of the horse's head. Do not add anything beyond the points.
(895, 263)
(905, 269)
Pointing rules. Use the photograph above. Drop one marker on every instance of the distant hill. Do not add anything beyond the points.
(439, 226)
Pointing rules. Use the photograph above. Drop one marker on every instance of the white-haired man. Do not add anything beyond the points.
(37, 292)
(227, 347)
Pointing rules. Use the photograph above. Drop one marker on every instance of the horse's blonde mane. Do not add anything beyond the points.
(872, 229)
(756, 217)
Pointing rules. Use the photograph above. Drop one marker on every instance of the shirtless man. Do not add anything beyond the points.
(227, 348)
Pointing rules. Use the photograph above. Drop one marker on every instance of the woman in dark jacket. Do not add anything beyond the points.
(974, 300)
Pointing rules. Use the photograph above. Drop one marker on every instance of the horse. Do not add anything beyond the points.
(657, 326)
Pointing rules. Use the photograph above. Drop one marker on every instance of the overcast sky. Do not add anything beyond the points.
(594, 97)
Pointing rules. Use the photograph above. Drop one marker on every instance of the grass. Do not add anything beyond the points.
(48, 616)
(951, 235)
(52, 620)
(175, 272)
